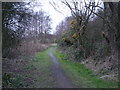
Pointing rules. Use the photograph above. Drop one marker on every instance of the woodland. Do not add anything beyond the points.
(89, 37)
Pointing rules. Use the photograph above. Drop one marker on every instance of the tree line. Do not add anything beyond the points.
(91, 30)
(21, 23)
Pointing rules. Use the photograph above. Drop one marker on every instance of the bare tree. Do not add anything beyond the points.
(82, 11)
(112, 25)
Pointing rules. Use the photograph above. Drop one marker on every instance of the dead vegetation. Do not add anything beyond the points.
(14, 68)
(31, 47)
(106, 68)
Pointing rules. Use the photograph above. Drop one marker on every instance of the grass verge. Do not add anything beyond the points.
(81, 76)
(41, 76)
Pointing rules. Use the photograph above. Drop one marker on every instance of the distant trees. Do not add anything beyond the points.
(19, 22)
(63, 26)
(40, 26)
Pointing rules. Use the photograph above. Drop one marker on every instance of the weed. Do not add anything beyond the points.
(9, 81)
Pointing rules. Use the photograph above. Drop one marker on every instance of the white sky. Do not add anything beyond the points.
(55, 15)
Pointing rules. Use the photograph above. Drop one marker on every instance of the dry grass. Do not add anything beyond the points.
(29, 48)
(23, 55)
(106, 67)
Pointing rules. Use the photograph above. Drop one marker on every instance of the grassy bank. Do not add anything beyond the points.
(81, 76)
(40, 76)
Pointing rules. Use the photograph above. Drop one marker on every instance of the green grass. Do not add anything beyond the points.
(81, 76)
(41, 73)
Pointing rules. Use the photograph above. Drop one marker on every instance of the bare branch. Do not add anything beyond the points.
(53, 5)
(96, 14)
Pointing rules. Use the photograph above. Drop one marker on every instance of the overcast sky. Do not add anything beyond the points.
(56, 16)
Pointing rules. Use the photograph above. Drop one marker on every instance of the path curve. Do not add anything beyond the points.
(60, 77)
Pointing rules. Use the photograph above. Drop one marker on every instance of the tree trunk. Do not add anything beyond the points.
(112, 26)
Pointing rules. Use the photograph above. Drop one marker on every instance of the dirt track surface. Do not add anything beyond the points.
(61, 79)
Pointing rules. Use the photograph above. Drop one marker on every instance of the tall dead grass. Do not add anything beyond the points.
(30, 48)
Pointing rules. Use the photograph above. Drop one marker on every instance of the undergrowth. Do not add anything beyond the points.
(80, 75)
